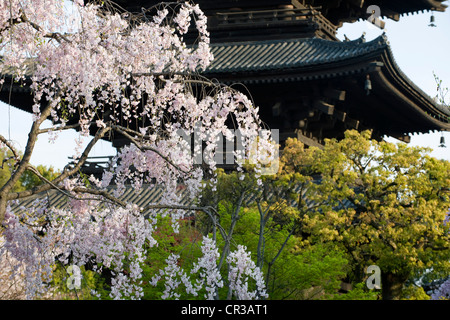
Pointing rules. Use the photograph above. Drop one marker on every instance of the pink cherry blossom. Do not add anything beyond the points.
(107, 72)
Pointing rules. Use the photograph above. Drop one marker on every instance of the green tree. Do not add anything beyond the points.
(186, 243)
(266, 218)
(386, 205)
(31, 178)
(292, 270)
(7, 163)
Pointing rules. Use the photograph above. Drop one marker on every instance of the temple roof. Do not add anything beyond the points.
(314, 67)
(400, 6)
(289, 54)
(337, 11)
(344, 65)
(148, 195)
(351, 10)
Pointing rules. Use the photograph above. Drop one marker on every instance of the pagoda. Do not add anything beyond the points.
(307, 83)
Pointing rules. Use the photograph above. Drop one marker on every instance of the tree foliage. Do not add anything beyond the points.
(385, 204)
(7, 165)
(103, 71)
(106, 72)
(29, 179)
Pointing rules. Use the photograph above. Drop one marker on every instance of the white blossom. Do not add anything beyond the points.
(84, 61)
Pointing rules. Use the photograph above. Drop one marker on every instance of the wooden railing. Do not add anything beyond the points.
(257, 17)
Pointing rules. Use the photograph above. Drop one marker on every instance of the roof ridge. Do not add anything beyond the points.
(288, 53)
(380, 40)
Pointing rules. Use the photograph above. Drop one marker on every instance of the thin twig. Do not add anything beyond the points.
(67, 172)
(60, 128)
(78, 190)
(102, 193)
(10, 146)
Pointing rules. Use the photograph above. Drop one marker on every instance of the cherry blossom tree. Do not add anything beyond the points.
(101, 70)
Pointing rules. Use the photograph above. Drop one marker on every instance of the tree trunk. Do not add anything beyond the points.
(3, 204)
(391, 285)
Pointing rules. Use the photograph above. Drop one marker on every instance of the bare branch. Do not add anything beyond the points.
(24, 19)
(179, 207)
(210, 211)
(270, 264)
(52, 35)
(234, 219)
(103, 193)
(11, 23)
(42, 178)
(32, 138)
(187, 78)
(60, 128)
(10, 146)
(67, 172)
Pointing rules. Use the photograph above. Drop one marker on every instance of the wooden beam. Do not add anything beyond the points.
(326, 123)
(324, 107)
(308, 141)
(402, 137)
(352, 123)
(391, 14)
(341, 116)
(334, 94)
(358, 3)
(297, 4)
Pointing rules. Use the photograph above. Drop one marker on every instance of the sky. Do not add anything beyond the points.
(418, 49)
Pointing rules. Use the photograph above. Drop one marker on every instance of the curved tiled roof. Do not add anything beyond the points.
(272, 60)
(285, 54)
(150, 194)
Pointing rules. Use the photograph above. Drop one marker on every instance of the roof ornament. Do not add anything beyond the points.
(442, 142)
(432, 20)
(368, 85)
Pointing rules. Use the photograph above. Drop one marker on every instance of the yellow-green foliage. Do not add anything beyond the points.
(385, 203)
(413, 292)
